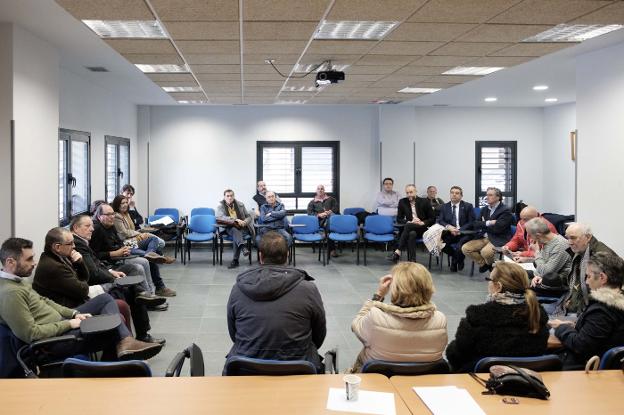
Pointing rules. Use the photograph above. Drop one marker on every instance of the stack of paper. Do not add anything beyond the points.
(448, 400)
(380, 403)
(526, 265)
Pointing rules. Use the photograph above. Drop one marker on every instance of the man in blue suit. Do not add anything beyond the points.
(455, 216)
(493, 228)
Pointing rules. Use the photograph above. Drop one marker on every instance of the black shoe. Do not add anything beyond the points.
(453, 266)
(460, 265)
(395, 257)
(484, 268)
(149, 339)
(149, 299)
(233, 264)
(162, 307)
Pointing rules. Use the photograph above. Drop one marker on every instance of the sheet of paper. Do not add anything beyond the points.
(165, 220)
(446, 400)
(368, 402)
(526, 265)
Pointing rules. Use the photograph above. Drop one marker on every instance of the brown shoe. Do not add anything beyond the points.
(130, 348)
(169, 260)
(166, 292)
(155, 258)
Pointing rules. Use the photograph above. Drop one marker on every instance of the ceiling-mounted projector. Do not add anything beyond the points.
(329, 77)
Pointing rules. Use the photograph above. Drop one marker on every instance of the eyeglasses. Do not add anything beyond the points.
(67, 243)
(108, 214)
(489, 279)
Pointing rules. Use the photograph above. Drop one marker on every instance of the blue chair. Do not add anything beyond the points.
(377, 229)
(388, 369)
(545, 363)
(196, 361)
(612, 359)
(344, 228)
(306, 230)
(77, 368)
(247, 366)
(171, 212)
(477, 213)
(168, 235)
(353, 211)
(224, 237)
(202, 228)
(202, 211)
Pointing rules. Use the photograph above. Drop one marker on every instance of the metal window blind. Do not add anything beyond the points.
(316, 168)
(278, 167)
(497, 168)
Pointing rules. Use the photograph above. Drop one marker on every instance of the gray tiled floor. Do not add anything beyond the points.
(198, 313)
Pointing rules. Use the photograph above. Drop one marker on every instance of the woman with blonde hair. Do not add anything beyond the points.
(511, 323)
(410, 329)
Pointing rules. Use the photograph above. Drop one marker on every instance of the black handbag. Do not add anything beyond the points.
(514, 381)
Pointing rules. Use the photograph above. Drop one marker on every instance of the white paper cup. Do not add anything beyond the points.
(352, 385)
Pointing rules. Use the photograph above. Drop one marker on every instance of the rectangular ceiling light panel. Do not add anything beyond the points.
(472, 70)
(162, 68)
(312, 67)
(182, 88)
(352, 30)
(572, 33)
(139, 29)
(408, 90)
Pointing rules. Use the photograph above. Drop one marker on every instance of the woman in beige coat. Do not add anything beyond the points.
(410, 329)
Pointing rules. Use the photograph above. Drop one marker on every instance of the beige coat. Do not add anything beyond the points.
(396, 334)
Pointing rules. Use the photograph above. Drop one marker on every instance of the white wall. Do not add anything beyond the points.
(600, 94)
(398, 133)
(558, 180)
(6, 114)
(90, 108)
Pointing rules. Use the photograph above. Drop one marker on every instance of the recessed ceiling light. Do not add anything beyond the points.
(313, 67)
(409, 90)
(350, 30)
(181, 88)
(551, 100)
(540, 87)
(299, 89)
(192, 101)
(491, 99)
(161, 68)
(291, 101)
(573, 33)
(472, 70)
(127, 28)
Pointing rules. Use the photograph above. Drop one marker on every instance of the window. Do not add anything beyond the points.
(496, 166)
(74, 174)
(117, 165)
(293, 169)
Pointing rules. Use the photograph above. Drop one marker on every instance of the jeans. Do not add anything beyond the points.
(151, 244)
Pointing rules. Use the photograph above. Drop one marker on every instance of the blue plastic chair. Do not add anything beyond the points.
(377, 229)
(353, 211)
(224, 237)
(77, 368)
(196, 362)
(310, 232)
(172, 212)
(344, 228)
(612, 358)
(545, 363)
(202, 211)
(389, 369)
(247, 366)
(202, 228)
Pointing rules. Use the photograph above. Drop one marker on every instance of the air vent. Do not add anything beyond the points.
(96, 68)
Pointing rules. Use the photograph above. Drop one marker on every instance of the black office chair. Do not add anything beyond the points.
(548, 362)
(389, 369)
(196, 361)
(612, 359)
(247, 366)
(77, 368)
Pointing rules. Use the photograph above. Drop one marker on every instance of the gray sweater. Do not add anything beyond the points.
(553, 262)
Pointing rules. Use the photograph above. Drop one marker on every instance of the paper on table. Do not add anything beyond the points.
(526, 265)
(369, 402)
(443, 400)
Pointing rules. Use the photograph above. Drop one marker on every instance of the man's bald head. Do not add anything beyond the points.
(528, 213)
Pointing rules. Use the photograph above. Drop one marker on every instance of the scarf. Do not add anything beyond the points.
(506, 298)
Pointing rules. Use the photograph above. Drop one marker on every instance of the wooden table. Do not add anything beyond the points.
(570, 393)
(181, 396)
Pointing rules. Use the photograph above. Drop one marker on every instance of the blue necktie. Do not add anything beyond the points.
(455, 216)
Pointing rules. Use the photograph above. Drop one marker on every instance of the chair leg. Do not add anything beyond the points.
(472, 269)
(357, 244)
(249, 247)
(294, 255)
(365, 248)
(430, 261)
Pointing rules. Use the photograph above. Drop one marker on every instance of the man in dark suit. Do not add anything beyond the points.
(454, 216)
(417, 215)
(493, 228)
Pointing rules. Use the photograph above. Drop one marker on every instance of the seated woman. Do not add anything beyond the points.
(511, 323)
(410, 329)
(143, 244)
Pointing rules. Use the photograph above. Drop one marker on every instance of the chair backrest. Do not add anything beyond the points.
(548, 362)
(513, 229)
(247, 366)
(353, 211)
(202, 211)
(406, 368)
(612, 359)
(203, 223)
(343, 224)
(9, 346)
(76, 368)
(379, 225)
(477, 213)
(311, 224)
(173, 212)
(196, 360)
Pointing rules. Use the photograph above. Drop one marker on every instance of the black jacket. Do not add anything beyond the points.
(65, 284)
(494, 329)
(276, 312)
(104, 241)
(598, 328)
(499, 233)
(423, 210)
(98, 272)
(466, 214)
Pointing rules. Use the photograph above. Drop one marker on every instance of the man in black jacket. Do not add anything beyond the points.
(455, 216)
(274, 311)
(417, 215)
(601, 326)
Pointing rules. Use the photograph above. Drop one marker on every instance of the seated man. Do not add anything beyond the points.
(493, 228)
(260, 196)
(417, 215)
(520, 244)
(33, 317)
(273, 217)
(233, 217)
(552, 260)
(387, 201)
(274, 311)
(323, 206)
(110, 248)
(128, 191)
(455, 215)
(601, 325)
(434, 201)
